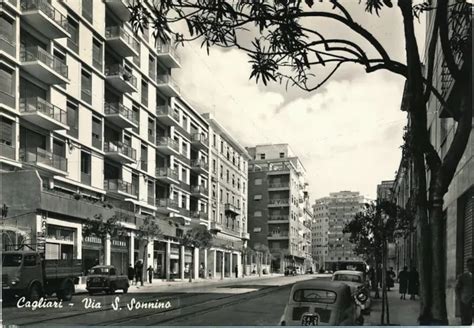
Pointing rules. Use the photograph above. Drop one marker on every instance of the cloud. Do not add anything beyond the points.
(347, 134)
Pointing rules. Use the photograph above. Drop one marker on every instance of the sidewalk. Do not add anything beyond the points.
(402, 312)
(178, 283)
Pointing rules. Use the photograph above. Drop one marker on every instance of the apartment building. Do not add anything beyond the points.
(385, 190)
(228, 201)
(279, 213)
(320, 231)
(334, 212)
(92, 125)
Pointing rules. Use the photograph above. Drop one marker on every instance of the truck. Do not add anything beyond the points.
(27, 273)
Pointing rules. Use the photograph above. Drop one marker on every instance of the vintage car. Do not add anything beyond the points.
(321, 303)
(359, 286)
(105, 278)
(290, 271)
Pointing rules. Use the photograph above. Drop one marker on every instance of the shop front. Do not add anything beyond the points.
(92, 252)
(59, 242)
(119, 256)
(174, 261)
(188, 259)
(159, 257)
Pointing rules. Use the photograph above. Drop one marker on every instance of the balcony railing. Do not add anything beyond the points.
(278, 201)
(166, 202)
(29, 54)
(117, 69)
(167, 141)
(199, 215)
(278, 218)
(7, 151)
(164, 48)
(36, 104)
(198, 137)
(167, 110)
(118, 108)
(128, 151)
(45, 7)
(119, 32)
(167, 79)
(119, 185)
(42, 156)
(231, 207)
(278, 185)
(198, 163)
(167, 172)
(199, 190)
(278, 234)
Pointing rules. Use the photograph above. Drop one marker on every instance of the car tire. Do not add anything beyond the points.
(111, 289)
(91, 292)
(66, 293)
(125, 290)
(34, 294)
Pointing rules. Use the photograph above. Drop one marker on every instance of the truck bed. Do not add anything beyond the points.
(58, 269)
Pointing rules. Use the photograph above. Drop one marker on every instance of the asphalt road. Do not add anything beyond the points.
(243, 302)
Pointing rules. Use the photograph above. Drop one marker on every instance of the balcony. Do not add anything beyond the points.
(167, 175)
(120, 115)
(198, 215)
(278, 235)
(231, 209)
(215, 227)
(44, 18)
(119, 152)
(120, 187)
(151, 200)
(275, 186)
(122, 42)
(40, 112)
(168, 55)
(278, 219)
(45, 160)
(167, 86)
(119, 8)
(245, 236)
(199, 191)
(7, 151)
(199, 141)
(120, 78)
(278, 202)
(166, 205)
(167, 146)
(199, 166)
(167, 115)
(8, 43)
(44, 66)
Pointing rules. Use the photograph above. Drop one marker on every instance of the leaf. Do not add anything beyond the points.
(310, 3)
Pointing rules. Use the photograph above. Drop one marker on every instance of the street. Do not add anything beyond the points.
(249, 301)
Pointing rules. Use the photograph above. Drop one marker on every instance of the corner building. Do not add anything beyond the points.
(279, 214)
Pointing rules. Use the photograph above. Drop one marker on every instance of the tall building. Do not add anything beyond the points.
(92, 125)
(333, 213)
(279, 213)
(228, 194)
(384, 190)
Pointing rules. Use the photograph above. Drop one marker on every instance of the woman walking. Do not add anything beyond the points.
(403, 281)
(413, 283)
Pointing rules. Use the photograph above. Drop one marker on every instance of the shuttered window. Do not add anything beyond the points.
(6, 131)
(6, 80)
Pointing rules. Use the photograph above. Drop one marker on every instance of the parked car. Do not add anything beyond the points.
(359, 286)
(290, 271)
(316, 302)
(309, 271)
(105, 278)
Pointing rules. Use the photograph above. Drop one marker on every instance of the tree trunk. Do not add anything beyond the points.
(385, 252)
(191, 269)
(384, 287)
(145, 263)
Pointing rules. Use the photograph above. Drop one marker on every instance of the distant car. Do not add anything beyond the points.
(359, 286)
(316, 302)
(309, 271)
(105, 278)
(290, 271)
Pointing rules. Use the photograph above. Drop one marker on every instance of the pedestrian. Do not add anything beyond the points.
(390, 278)
(236, 271)
(150, 274)
(131, 273)
(139, 272)
(403, 281)
(413, 283)
(464, 293)
(379, 276)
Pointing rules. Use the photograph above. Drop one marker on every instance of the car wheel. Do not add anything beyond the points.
(111, 290)
(35, 292)
(66, 293)
(91, 292)
(125, 290)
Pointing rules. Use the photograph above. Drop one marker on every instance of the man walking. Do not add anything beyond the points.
(464, 293)
(403, 281)
(413, 283)
(150, 274)
(139, 272)
(131, 273)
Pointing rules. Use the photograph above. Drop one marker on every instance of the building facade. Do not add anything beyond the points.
(93, 125)
(228, 199)
(385, 190)
(334, 212)
(279, 212)
(320, 231)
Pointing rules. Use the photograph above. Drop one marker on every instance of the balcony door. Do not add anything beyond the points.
(31, 90)
(31, 140)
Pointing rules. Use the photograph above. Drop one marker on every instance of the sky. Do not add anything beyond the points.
(347, 134)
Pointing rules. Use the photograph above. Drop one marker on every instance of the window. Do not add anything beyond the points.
(97, 54)
(258, 181)
(136, 115)
(262, 156)
(86, 86)
(183, 175)
(29, 260)
(87, 10)
(72, 119)
(151, 130)
(73, 29)
(144, 158)
(222, 171)
(213, 166)
(257, 214)
(7, 86)
(221, 196)
(7, 34)
(227, 176)
(214, 140)
(144, 93)
(136, 59)
(222, 147)
(85, 168)
(282, 155)
(96, 132)
(257, 229)
(151, 67)
(257, 197)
